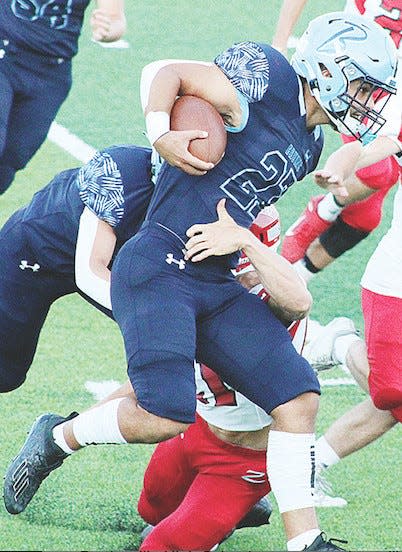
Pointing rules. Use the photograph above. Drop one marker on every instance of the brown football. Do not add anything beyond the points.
(192, 113)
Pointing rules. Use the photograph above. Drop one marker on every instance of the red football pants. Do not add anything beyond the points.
(197, 488)
(383, 333)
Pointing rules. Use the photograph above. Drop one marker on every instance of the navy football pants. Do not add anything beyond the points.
(170, 315)
(32, 90)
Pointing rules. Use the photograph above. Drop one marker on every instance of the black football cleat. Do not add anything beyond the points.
(321, 544)
(258, 515)
(38, 457)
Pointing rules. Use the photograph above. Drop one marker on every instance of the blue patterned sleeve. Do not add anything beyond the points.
(247, 67)
(101, 189)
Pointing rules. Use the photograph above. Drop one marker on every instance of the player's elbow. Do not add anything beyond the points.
(295, 307)
(300, 307)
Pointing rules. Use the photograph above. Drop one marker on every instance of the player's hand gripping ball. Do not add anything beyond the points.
(192, 113)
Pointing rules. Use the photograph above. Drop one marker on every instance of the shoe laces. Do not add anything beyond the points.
(341, 541)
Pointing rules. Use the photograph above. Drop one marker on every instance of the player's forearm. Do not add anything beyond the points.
(380, 148)
(288, 17)
(95, 245)
(279, 278)
(343, 161)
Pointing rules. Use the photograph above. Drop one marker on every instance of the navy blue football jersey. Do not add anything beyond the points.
(115, 185)
(48, 27)
(271, 151)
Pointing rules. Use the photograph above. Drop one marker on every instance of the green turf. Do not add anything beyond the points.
(90, 504)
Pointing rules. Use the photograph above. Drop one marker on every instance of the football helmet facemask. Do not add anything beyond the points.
(337, 49)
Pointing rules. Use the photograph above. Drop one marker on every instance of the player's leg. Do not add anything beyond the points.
(30, 117)
(166, 480)
(219, 497)
(6, 99)
(252, 351)
(27, 291)
(382, 315)
(338, 343)
(160, 351)
(357, 428)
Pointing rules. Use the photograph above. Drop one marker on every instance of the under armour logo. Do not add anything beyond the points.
(24, 264)
(254, 476)
(170, 259)
(20, 479)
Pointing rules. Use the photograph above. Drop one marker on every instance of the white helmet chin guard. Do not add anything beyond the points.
(339, 48)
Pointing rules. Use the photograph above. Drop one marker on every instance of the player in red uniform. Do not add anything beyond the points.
(382, 298)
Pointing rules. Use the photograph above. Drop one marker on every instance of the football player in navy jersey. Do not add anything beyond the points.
(62, 242)
(172, 293)
(38, 39)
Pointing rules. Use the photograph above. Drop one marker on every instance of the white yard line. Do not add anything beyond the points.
(70, 143)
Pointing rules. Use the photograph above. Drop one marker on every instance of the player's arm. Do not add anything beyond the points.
(95, 245)
(108, 20)
(161, 83)
(342, 163)
(285, 287)
(288, 17)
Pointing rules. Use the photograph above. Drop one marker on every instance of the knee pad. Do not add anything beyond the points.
(341, 237)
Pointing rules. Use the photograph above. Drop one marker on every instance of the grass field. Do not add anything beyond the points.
(90, 504)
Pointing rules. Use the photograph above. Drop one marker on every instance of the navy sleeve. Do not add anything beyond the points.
(101, 188)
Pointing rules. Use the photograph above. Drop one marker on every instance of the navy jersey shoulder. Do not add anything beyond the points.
(272, 151)
(116, 185)
(47, 27)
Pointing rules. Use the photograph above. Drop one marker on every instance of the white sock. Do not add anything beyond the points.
(341, 346)
(302, 271)
(324, 454)
(305, 539)
(290, 467)
(99, 425)
(328, 209)
(58, 436)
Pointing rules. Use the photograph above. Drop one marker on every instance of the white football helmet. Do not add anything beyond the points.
(338, 48)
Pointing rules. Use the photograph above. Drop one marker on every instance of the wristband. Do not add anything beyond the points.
(157, 124)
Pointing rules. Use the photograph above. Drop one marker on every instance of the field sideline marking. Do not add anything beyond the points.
(70, 143)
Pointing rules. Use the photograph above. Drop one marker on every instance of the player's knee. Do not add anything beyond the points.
(298, 414)
(340, 237)
(357, 363)
(148, 508)
(387, 397)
